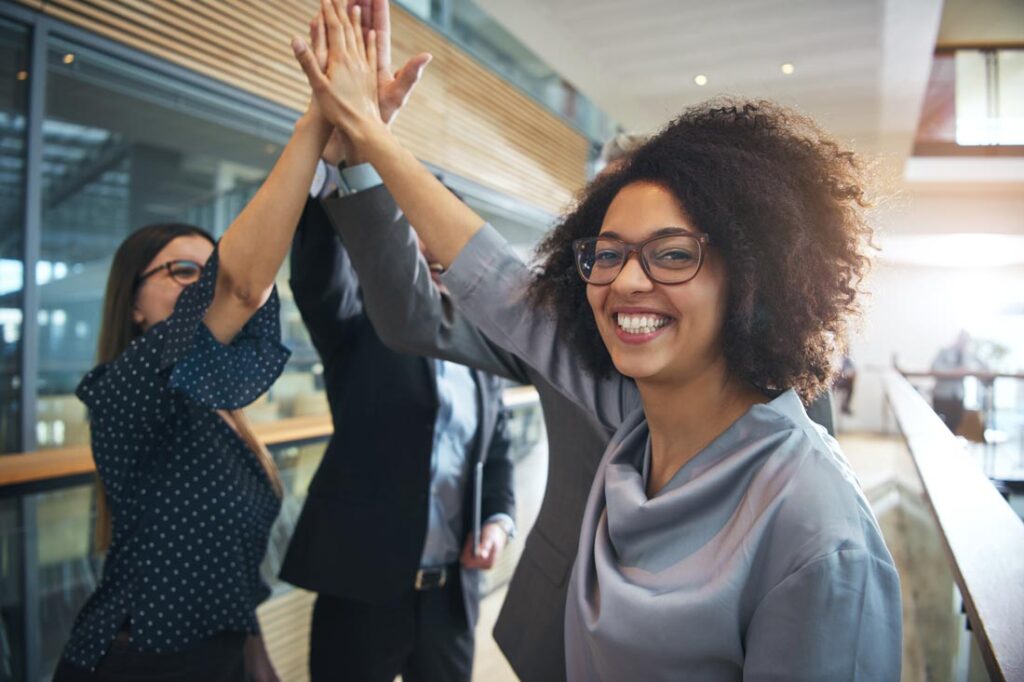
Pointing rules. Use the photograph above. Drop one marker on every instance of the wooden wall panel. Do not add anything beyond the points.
(462, 118)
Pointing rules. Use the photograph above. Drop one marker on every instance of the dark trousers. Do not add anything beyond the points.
(423, 637)
(951, 410)
(217, 659)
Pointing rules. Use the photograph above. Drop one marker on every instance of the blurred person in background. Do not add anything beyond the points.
(948, 395)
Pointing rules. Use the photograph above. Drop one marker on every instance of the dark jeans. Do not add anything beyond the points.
(951, 411)
(423, 636)
(217, 659)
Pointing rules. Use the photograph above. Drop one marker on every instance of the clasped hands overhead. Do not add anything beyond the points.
(348, 65)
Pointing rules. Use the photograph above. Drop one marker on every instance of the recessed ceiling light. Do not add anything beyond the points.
(788, 69)
(700, 79)
(23, 75)
(68, 58)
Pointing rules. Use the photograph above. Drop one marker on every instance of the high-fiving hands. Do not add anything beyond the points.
(365, 17)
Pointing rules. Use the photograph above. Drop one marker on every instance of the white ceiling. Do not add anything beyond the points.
(861, 66)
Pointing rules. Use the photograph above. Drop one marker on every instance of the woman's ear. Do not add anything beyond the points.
(138, 318)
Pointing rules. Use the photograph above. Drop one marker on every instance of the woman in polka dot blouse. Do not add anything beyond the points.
(190, 336)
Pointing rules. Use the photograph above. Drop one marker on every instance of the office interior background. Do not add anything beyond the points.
(119, 113)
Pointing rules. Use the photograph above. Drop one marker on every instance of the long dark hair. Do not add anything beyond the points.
(119, 328)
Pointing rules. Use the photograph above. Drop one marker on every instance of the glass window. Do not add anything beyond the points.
(487, 40)
(13, 101)
(124, 148)
(990, 97)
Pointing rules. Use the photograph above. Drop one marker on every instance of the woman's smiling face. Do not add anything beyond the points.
(657, 332)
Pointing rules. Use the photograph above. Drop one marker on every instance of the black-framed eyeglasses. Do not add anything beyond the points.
(672, 258)
(184, 272)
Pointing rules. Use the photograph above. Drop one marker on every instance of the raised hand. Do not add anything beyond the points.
(346, 89)
(395, 87)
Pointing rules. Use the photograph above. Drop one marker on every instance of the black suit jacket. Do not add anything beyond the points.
(362, 528)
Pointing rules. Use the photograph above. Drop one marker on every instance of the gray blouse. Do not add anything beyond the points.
(759, 560)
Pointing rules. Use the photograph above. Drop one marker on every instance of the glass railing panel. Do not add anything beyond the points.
(66, 566)
(12, 601)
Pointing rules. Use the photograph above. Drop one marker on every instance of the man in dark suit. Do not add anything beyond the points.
(386, 536)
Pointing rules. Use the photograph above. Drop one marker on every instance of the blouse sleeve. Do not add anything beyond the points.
(837, 618)
(180, 356)
(490, 285)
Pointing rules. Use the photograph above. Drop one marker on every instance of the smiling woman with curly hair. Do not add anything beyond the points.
(781, 205)
(690, 302)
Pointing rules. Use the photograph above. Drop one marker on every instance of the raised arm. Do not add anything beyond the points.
(408, 311)
(443, 222)
(255, 245)
(494, 301)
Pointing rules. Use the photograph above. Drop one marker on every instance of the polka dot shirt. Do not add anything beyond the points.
(191, 504)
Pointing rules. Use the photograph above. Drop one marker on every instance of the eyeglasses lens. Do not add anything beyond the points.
(671, 259)
(185, 272)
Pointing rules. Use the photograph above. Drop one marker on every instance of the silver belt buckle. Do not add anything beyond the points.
(440, 582)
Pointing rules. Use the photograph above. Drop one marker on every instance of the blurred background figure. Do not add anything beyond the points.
(617, 149)
(843, 387)
(948, 396)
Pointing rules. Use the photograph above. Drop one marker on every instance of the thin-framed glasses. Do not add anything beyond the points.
(672, 258)
(184, 272)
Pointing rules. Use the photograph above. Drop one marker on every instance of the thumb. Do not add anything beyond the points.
(409, 75)
(307, 60)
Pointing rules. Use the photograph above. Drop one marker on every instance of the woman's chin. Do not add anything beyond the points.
(637, 368)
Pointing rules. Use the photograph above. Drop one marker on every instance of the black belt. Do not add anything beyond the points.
(433, 578)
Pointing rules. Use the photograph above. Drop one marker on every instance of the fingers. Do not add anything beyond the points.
(335, 33)
(307, 60)
(348, 32)
(317, 35)
(410, 74)
(381, 18)
(366, 13)
(357, 33)
(371, 51)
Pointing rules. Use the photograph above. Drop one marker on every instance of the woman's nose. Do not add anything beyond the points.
(632, 277)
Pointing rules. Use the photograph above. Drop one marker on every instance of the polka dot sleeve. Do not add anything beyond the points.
(222, 376)
(180, 354)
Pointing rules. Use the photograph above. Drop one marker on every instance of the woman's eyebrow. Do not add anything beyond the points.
(669, 230)
(660, 232)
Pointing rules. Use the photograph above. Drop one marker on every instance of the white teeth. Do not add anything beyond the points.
(641, 324)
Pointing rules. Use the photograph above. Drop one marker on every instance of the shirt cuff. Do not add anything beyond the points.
(319, 178)
(506, 522)
(326, 180)
(359, 178)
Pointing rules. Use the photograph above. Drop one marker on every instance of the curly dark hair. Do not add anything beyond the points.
(784, 206)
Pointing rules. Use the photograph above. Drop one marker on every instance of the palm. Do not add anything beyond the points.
(393, 88)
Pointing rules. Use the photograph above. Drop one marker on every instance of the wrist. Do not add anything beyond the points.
(313, 122)
(353, 157)
(368, 134)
